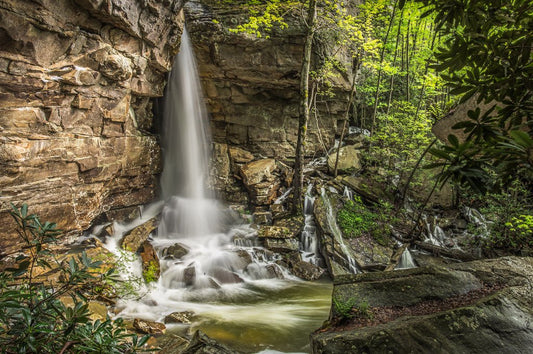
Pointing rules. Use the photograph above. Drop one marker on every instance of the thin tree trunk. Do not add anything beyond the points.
(298, 179)
(382, 56)
(347, 115)
(394, 61)
(407, 63)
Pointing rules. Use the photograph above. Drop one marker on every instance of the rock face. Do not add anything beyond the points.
(477, 320)
(251, 85)
(349, 160)
(77, 80)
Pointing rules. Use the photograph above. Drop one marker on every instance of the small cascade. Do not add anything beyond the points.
(406, 261)
(332, 223)
(435, 234)
(475, 217)
(347, 193)
(308, 238)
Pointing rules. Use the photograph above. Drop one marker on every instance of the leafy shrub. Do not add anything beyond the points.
(356, 220)
(509, 219)
(346, 310)
(32, 316)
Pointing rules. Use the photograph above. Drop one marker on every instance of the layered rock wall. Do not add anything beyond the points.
(252, 86)
(77, 78)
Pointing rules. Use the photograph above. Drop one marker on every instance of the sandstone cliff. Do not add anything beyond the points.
(252, 87)
(77, 78)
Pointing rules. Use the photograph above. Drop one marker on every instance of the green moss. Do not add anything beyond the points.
(356, 220)
(151, 273)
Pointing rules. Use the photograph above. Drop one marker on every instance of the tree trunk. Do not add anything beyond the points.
(298, 179)
(357, 67)
(382, 56)
(391, 89)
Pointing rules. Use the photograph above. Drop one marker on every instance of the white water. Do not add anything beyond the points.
(406, 261)
(308, 238)
(216, 279)
(334, 227)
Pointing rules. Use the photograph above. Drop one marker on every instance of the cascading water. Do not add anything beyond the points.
(190, 208)
(236, 290)
(406, 260)
(334, 228)
(308, 238)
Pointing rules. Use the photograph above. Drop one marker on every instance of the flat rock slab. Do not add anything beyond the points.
(495, 321)
(134, 238)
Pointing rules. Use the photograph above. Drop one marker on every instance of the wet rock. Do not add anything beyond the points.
(97, 310)
(329, 243)
(496, 317)
(150, 262)
(279, 232)
(245, 257)
(307, 271)
(225, 276)
(292, 258)
(189, 275)
(176, 251)
(133, 239)
(262, 217)
(349, 160)
(369, 253)
(202, 344)
(274, 271)
(281, 245)
(148, 327)
(294, 224)
(277, 210)
(179, 317)
(171, 344)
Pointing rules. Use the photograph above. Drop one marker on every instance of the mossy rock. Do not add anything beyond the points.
(496, 321)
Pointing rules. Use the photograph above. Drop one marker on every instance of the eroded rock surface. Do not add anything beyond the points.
(448, 318)
(77, 80)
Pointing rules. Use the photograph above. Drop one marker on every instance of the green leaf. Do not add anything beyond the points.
(453, 140)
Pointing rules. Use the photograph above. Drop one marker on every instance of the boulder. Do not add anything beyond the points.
(189, 275)
(179, 317)
(366, 187)
(473, 307)
(278, 232)
(148, 327)
(259, 180)
(262, 217)
(176, 251)
(349, 160)
(369, 253)
(239, 155)
(134, 238)
(258, 171)
(150, 262)
(202, 344)
(282, 245)
(307, 271)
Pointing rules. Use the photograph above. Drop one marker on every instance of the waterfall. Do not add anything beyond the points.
(337, 234)
(406, 261)
(236, 289)
(308, 239)
(190, 208)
